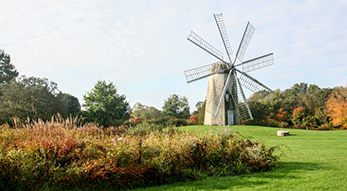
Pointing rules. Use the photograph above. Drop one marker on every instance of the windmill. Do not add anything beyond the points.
(225, 101)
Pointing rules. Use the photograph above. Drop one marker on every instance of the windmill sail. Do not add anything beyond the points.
(202, 72)
(255, 86)
(216, 94)
(257, 63)
(240, 100)
(221, 99)
(247, 35)
(223, 33)
(198, 41)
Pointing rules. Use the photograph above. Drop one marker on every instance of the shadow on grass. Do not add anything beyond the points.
(284, 171)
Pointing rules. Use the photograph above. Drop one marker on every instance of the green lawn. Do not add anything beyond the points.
(315, 160)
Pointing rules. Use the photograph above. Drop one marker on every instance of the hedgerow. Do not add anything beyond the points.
(58, 156)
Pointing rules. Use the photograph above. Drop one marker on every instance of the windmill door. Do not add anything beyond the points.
(230, 117)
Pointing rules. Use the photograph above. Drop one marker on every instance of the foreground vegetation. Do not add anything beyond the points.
(58, 155)
(315, 160)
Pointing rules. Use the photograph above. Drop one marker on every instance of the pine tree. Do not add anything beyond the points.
(7, 70)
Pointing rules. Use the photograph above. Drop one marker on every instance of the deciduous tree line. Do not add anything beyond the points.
(302, 106)
(32, 98)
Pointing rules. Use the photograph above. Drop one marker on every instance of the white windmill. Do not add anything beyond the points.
(226, 102)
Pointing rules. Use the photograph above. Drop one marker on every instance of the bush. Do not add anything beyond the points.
(133, 121)
(310, 121)
(167, 121)
(326, 126)
(177, 122)
(300, 126)
(284, 125)
(159, 121)
(143, 129)
(273, 123)
(54, 156)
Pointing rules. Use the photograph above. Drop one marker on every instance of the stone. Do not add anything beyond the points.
(282, 133)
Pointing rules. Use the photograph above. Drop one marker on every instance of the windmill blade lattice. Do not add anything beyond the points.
(257, 63)
(216, 94)
(198, 41)
(247, 35)
(201, 72)
(239, 99)
(223, 33)
(255, 86)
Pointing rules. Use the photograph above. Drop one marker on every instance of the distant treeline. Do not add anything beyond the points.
(31, 98)
(302, 106)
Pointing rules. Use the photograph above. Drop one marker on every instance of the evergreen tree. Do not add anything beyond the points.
(176, 106)
(104, 105)
(7, 70)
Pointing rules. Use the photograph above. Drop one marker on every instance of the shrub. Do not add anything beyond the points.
(194, 120)
(284, 125)
(177, 122)
(134, 121)
(326, 126)
(54, 156)
(168, 121)
(309, 121)
(143, 129)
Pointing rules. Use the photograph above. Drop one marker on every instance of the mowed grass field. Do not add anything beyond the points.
(315, 160)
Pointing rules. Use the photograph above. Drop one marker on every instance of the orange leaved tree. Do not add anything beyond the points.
(194, 119)
(298, 115)
(336, 107)
(281, 114)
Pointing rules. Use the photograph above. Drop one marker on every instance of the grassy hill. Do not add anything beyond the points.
(315, 160)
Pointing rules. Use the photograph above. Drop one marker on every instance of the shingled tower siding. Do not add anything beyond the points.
(222, 117)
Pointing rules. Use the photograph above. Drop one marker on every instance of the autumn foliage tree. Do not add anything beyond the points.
(194, 119)
(298, 115)
(281, 114)
(336, 108)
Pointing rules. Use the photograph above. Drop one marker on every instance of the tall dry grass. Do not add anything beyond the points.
(64, 154)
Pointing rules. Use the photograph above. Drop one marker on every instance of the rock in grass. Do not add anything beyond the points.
(282, 133)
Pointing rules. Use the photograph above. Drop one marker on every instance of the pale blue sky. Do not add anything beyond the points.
(142, 46)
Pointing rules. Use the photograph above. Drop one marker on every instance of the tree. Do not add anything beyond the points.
(321, 116)
(29, 97)
(198, 116)
(262, 110)
(7, 70)
(302, 87)
(336, 108)
(104, 105)
(176, 106)
(198, 105)
(194, 119)
(154, 112)
(140, 110)
(313, 88)
(201, 112)
(298, 115)
(281, 115)
(71, 104)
